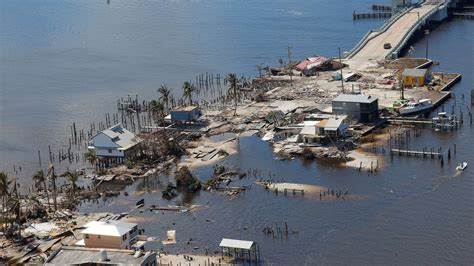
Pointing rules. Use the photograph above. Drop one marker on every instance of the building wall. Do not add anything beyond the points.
(413, 81)
(363, 112)
(96, 241)
(109, 152)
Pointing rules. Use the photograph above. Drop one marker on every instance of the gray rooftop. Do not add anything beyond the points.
(355, 98)
(76, 255)
(414, 72)
(121, 136)
(333, 124)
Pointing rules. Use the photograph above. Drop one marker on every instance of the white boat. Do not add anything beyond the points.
(461, 166)
(416, 107)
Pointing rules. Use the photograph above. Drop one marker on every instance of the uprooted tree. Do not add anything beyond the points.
(186, 180)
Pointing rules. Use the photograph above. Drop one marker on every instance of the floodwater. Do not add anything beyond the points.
(413, 211)
(69, 61)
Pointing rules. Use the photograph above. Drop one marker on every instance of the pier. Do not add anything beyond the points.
(425, 153)
(381, 7)
(464, 15)
(375, 15)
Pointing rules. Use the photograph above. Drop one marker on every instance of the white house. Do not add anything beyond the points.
(114, 142)
(319, 131)
(109, 234)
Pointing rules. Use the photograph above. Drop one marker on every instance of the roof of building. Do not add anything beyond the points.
(355, 98)
(308, 130)
(121, 136)
(188, 108)
(311, 62)
(414, 72)
(333, 124)
(67, 255)
(322, 123)
(108, 228)
(235, 243)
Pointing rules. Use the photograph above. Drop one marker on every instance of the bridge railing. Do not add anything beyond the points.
(409, 33)
(366, 38)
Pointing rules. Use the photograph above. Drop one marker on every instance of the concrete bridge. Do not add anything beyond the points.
(396, 31)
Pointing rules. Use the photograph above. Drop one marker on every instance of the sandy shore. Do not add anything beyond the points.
(310, 189)
(365, 159)
(205, 145)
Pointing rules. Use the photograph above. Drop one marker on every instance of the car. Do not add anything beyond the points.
(387, 45)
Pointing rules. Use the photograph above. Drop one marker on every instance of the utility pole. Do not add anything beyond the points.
(402, 90)
(288, 49)
(427, 34)
(340, 62)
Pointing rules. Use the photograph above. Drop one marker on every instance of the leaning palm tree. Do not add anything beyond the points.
(73, 176)
(188, 90)
(91, 157)
(165, 95)
(5, 192)
(233, 87)
(40, 178)
(52, 177)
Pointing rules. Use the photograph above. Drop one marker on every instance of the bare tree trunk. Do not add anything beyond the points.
(47, 193)
(55, 196)
(235, 101)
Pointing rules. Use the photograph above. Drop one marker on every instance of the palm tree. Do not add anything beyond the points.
(15, 203)
(52, 177)
(165, 95)
(40, 178)
(188, 90)
(73, 176)
(233, 87)
(4, 190)
(91, 157)
(158, 111)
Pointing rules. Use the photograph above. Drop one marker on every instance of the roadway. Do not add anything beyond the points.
(374, 51)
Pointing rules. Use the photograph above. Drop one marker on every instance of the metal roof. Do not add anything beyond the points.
(308, 130)
(355, 98)
(333, 124)
(108, 228)
(188, 108)
(234, 243)
(67, 255)
(414, 72)
(121, 136)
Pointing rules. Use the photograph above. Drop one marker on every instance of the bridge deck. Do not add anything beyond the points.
(373, 50)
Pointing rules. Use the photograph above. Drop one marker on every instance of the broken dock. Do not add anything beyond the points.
(424, 153)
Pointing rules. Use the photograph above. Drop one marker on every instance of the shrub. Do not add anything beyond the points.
(186, 180)
(308, 154)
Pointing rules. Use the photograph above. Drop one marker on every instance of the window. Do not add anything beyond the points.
(98, 237)
(110, 150)
(87, 236)
(124, 237)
